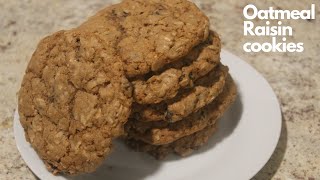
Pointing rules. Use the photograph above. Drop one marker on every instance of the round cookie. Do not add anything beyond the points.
(162, 132)
(206, 89)
(74, 99)
(182, 147)
(150, 34)
(182, 74)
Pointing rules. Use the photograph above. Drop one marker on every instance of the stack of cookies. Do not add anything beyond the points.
(147, 69)
(176, 109)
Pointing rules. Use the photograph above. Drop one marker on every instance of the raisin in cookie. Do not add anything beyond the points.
(206, 89)
(74, 99)
(162, 132)
(182, 74)
(150, 34)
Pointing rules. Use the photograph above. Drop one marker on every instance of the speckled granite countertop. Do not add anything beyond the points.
(294, 77)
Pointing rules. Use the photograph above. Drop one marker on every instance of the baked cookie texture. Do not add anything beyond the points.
(206, 89)
(163, 132)
(181, 74)
(147, 69)
(150, 34)
(73, 100)
(182, 147)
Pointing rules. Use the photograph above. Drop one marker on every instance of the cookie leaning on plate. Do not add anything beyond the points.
(74, 99)
(149, 34)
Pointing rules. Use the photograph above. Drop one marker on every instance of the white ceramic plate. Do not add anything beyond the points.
(246, 138)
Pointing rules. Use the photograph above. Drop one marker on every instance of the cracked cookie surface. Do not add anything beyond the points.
(73, 100)
(163, 132)
(150, 34)
(182, 74)
(206, 89)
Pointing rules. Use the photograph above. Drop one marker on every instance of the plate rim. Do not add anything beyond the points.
(277, 108)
